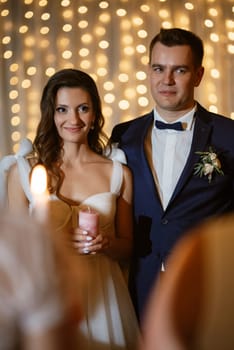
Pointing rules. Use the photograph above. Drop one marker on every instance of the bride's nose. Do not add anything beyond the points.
(74, 116)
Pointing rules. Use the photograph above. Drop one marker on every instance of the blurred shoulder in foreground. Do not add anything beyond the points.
(192, 305)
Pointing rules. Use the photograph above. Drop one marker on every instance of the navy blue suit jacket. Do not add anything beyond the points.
(194, 199)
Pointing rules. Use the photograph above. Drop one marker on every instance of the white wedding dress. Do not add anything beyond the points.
(110, 322)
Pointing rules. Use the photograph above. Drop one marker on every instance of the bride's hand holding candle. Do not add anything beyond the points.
(88, 220)
(87, 232)
(88, 238)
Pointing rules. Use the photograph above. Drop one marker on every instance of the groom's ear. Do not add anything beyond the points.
(199, 74)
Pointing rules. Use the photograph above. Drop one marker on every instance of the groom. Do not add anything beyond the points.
(181, 157)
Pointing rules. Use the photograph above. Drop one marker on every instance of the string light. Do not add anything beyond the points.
(109, 40)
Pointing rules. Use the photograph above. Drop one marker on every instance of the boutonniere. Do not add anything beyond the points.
(208, 164)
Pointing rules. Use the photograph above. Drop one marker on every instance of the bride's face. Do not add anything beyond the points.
(74, 114)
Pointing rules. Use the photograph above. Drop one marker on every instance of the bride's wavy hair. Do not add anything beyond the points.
(48, 144)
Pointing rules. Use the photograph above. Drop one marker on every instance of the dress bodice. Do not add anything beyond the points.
(64, 215)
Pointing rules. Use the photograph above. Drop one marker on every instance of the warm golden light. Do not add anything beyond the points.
(31, 70)
(163, 13)
(123, 104)
(6, 40)
(45, 16)
(67, 28)
(28, 14)
(214, 37)
(230, 48)
(23, 29)
(123, 77)
(16, 136)
(110, 41)
(39, 180)
(129, 50)
(7, 54)
(130, 93)
(143, 101)
(189, 6)
(83, 24)
(141, 89)
(67, 54)
(83, 52)
(50, 71)
(141, 48)
(109, 98)
(145, 8)
(44, 30)
(105, 17)
(142, 33)
(100, 31)
(103, 4)
(137, 21)
(15, 108)
(15, 121)
(215, 73)
(14, 81)
(101, 59)
(103, 44)
(85, 64)
(102, 72)
(13, 94)
(141, 75)
(209, 23)
(26, 83)
(82, 9)
(87, 38)
(39, 191)
(108, 85)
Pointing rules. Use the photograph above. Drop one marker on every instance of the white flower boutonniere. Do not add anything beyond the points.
(208, 165)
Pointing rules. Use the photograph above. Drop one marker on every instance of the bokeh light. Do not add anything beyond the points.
(109, 40)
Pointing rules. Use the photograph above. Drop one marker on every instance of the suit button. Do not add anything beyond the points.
(164, 221)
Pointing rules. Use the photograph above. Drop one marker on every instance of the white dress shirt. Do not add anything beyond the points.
(170, 150)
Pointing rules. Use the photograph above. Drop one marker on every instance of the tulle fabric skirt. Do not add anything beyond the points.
(109, 321)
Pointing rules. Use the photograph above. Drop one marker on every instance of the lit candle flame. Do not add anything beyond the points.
(39, 180)
(39, 193)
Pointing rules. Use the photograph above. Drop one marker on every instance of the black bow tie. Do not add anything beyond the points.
(173, 126)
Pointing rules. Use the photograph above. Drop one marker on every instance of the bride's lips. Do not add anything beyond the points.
(73, 129)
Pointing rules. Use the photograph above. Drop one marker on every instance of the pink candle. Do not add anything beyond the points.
(89, 220)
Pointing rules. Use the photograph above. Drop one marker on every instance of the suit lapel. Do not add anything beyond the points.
(135, 150)
(202, 130)
(134, 139)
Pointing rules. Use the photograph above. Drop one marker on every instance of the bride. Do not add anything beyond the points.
(69, 143)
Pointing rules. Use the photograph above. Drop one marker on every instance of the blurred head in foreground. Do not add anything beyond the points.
(192, 305)
(37, 307)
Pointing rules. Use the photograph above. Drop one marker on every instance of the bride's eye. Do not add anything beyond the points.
(60, 109)
(83, 109)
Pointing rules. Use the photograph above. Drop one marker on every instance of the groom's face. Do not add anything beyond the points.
(173, 77)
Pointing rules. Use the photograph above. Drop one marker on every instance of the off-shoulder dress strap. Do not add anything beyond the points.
(24, 169)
